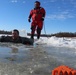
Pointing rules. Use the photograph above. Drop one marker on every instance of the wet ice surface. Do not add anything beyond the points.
(64, 55)
(18, 59)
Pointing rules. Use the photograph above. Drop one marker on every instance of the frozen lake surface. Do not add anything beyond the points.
(41, 59)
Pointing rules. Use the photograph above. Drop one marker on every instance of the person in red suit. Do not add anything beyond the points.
(37, 14)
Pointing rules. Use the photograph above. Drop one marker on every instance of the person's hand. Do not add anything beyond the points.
(42, 18)
(29, 20)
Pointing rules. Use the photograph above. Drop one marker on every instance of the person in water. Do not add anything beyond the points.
(38, 15)
(15, 38)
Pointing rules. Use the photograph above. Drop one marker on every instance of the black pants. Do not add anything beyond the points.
(38, 32)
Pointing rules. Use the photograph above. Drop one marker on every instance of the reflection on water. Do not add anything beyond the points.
(29, 60)
(20, 53)
(13, 57)
(13, 52)
(23, 60)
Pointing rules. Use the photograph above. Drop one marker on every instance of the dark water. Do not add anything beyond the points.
(18, 59)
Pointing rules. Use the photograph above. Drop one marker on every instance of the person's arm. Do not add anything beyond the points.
(27, 41)
(29, 18)
(2, 38)
(43, 14)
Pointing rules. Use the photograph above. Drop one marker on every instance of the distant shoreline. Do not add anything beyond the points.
(60, 34)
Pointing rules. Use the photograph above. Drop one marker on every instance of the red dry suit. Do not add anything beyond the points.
(37, 15)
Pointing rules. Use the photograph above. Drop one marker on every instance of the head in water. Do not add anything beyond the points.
(15, 34)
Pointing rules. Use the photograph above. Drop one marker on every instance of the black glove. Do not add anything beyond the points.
(29, 20)
(42, 18)
(32, 27)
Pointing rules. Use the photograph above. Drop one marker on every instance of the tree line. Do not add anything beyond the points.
(60, 34)
(64, 34)
(5, 32)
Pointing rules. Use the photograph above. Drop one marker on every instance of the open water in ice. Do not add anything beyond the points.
(18, 59)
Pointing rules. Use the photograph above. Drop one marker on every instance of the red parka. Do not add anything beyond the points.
(37, 14)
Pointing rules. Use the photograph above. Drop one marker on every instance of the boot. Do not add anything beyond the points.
(32, 36)
(38, 36)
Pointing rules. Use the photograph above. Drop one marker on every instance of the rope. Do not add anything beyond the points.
(45, 30)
